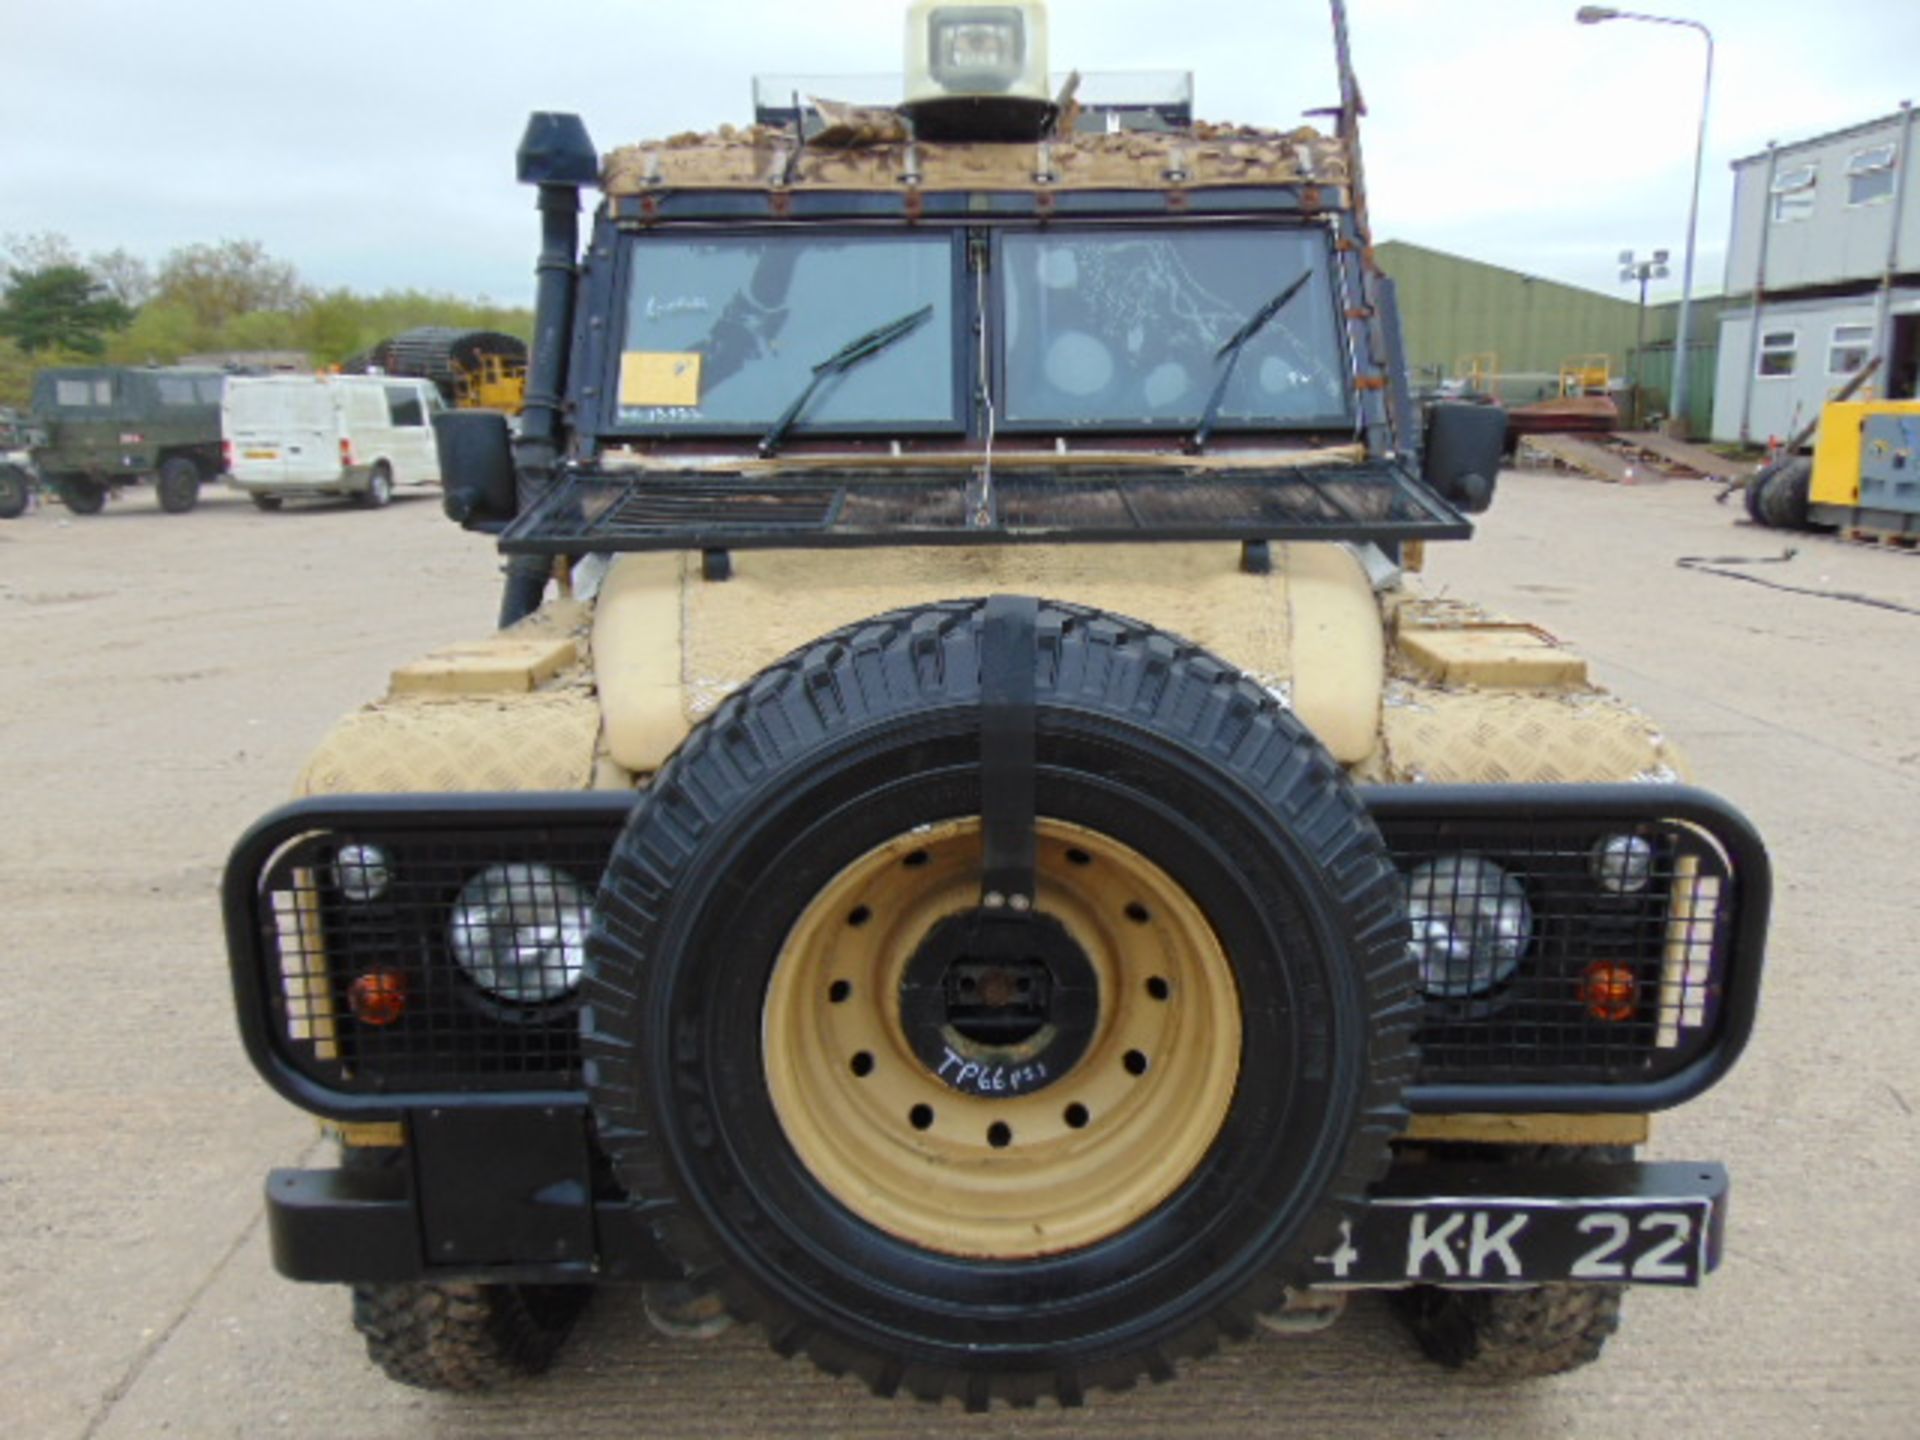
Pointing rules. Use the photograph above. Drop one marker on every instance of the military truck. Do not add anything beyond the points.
(110, 426)
(17, 482)
(972, 851)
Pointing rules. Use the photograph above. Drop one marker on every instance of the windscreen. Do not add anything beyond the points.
(727, 331)
(1124, 329)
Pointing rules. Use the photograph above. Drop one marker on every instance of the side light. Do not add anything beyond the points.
(363, 872)
(1622, 864)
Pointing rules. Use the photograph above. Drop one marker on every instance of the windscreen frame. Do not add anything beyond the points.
(606, 363)
(1352, 422)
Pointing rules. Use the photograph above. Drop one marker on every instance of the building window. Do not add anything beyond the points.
(1851, 346)
(1793, 192)
(1870, 175)
(1779, 353)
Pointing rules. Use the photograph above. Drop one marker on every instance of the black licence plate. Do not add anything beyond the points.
(1652, 1224)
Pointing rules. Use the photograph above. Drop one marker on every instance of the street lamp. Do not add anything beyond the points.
(1631, 270)
(1598, 14)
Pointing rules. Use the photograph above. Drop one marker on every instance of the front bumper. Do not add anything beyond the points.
(512, 1197)
(345, 482)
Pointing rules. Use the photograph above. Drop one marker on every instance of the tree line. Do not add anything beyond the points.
(58, 307)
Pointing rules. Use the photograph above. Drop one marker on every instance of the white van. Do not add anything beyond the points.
(357, 435)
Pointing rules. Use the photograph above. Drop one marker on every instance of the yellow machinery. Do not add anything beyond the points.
(493, 382)
(475, 369)
(1586, 375)
(1480, 372)
(1866, 466)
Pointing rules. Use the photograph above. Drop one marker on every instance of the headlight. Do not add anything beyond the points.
(1471, 922)
(977, 47)
(363, 872)
(520, 932)
(1623, 864)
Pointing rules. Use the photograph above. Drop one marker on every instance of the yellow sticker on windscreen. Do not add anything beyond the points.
(656, 377)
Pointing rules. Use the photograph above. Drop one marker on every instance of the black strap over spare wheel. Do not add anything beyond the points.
(1009, 650)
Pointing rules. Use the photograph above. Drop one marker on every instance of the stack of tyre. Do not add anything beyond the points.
(1778, 495)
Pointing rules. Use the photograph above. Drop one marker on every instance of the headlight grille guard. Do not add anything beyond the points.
(1694, 943)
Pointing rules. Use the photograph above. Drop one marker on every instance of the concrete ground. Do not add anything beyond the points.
(163, 678)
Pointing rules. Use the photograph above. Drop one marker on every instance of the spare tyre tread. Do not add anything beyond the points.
(1125, 669)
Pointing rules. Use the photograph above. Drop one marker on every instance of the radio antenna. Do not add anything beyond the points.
(1352, 106)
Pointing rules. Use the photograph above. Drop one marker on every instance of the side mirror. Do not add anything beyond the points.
(476, 468)
(1464, 447)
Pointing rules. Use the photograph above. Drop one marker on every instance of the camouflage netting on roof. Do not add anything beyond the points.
(1207, 155)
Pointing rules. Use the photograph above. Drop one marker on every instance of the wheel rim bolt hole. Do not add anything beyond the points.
(1079, 857)
(915, 859)
(1135, 1062)
(999, 1135)
(1158, 987)
(840, 992)
(862, 1065)
(859, 916)
(921, 1117)
(1138, 913)
(1076, 1116)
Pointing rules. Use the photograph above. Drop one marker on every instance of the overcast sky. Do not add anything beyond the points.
(371, 144)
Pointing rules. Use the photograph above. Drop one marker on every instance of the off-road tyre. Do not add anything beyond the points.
(1500, 1335)
(1504, 1335)
(16, 490)
(463, 1336)
(871, 732)
(379, 492)
(271, 504)
(80, 494)
(177, 486)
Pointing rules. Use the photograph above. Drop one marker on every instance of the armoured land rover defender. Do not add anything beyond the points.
(988, 867)
(108, 426)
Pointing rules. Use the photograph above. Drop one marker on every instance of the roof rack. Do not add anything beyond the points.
(587, 511)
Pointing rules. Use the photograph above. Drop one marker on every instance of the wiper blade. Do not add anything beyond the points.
(838, 363)
(1230, 352)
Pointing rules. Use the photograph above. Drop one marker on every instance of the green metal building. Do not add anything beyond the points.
(1452, 309)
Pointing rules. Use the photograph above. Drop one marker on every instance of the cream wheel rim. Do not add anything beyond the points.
(1044, 1164)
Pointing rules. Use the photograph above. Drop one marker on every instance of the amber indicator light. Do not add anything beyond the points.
(378, 997)
(1610, 990)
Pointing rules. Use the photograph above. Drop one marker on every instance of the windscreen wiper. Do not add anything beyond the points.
(1230, 352)
(838, 363)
